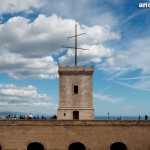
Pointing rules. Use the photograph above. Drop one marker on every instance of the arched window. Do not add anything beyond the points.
(118, 146)
(77, 146)
(35, 146)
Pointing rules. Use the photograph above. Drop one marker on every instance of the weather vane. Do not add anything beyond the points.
(75, 36)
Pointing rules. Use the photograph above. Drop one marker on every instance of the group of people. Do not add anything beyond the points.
(13, 116)
(146, 117)
(35, 117)
(119, 118)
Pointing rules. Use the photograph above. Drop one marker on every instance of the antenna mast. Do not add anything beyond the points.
(76, 47)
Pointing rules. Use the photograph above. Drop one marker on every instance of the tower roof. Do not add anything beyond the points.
(76, 70)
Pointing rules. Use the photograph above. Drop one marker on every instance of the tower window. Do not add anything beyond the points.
(75, 89)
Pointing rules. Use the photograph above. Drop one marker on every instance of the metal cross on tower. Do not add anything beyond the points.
(75, 36)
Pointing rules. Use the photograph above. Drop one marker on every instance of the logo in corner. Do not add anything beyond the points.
(144, 5)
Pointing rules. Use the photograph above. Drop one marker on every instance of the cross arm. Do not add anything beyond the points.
(75, 36)
(74, 47)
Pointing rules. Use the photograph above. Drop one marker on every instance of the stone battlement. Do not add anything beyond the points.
(74, 123)
(75, 69)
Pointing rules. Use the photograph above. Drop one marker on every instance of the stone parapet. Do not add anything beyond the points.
(75, 123)
(75, 70)
(73, 108)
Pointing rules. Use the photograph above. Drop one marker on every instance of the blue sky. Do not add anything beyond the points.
(117, 35)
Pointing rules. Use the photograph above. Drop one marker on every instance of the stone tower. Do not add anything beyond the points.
(75, 93)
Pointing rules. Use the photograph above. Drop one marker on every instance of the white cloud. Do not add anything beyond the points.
(14, 6)
(36, 39)
(19, 67)
(94, 54)
(139, 84)
(86, 11)
(110, 61)
(97, 33)
(139, 54)
(107, 98)
(24, 99)
(135, 60)
(21, 40)
(105, 89)
(116, 65)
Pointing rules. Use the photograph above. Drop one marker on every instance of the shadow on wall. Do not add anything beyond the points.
(118, 146)
(38, 146)
(77, 146)
(35, 146)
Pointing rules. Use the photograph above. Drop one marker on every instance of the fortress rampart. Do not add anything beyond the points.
(59, 134)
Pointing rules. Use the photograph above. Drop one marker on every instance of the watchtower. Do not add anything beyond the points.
(75, 90)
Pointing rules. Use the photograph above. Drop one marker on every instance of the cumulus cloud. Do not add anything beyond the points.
(14, 6)
(19, 67)
(46, 35)
(26, 47)
(34, 39)
(94, 53)
(116, 65)
(106, 98)
(24, 99)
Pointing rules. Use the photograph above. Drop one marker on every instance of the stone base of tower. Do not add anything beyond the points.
(75, 114)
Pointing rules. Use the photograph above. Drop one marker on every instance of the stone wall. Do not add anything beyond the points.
(58, 134)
